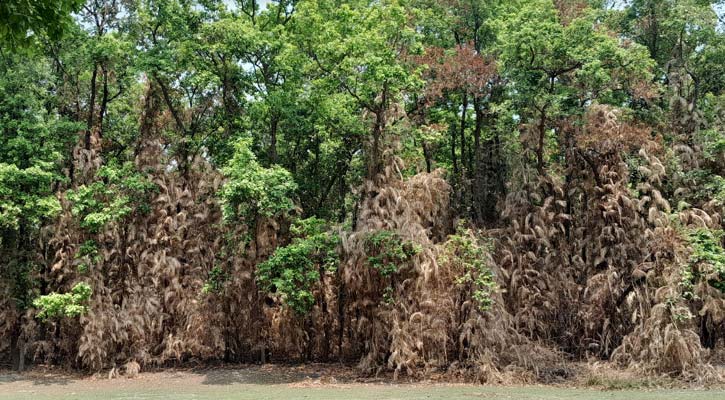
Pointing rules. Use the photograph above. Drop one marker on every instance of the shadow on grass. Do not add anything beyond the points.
(264, 375)
(34, 378)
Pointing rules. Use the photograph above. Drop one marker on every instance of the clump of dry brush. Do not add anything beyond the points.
(148, 272)
(593, 263)
(418, 300)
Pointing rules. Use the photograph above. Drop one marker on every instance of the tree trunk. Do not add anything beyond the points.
(376, 158)
(462, 131)
(274, 122)
(341, 314)
(453, 152)
(91, 108)
(479, 188)
(540, 145)
(104, 102)
(427, 156)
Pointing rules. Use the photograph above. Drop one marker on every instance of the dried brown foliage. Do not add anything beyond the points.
(570, 9)
(431, 321)
(587, 265)
(148, 306)
(593, 267)
(462, 68)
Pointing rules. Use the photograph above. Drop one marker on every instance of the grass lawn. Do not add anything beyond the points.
(258, 384)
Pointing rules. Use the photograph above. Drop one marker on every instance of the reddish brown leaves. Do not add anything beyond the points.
(606, 130)
(460, 68)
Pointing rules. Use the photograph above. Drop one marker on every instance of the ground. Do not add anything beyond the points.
(258, 383)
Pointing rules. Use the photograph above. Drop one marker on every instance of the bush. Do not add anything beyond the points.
(292, 271)
(216, 279)
(121, 191)
(25, 196)
(88, 254)
(471, 256)
(707, 259)
(58, 305)
(254, 190)
(388, 251)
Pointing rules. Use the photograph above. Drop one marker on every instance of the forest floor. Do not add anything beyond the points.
(318, 382)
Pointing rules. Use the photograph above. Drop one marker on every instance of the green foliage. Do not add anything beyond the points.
(358, 43)
(706, 186)
(716, 187)
(707, 259)
(21, 276)
(686, 26)
(26, 196)
(387, 251)
(33, 139)
(59, 305)
(469, 255)
(215, 282)
(89, 248)
(23, 19)
(253, 190)
(293, 270)
(558, 69)
(88, 253)
(33, 132)
(713, 143)
(119, 192)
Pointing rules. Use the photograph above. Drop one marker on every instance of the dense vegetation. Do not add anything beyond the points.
(488, 188)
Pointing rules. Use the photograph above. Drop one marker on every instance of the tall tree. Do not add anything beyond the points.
(24, 21)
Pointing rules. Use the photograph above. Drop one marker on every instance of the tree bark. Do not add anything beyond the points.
(462, 131)
(91, 108)
(540, 145)
(427, 156)
(479, 188)
(274, 122)
(104, 102)
(453, 152)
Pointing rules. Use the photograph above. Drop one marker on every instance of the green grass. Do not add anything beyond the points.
(181, 388)
(623, 383)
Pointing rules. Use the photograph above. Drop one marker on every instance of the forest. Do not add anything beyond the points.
(485, 189)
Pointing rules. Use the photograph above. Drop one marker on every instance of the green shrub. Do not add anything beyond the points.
(88, 252)
(293, 270)
(121, 191)
(25, 196)
(706, 186)
(254, 190)
(713, 143)
(707, 259)
(469, 254)
(59, 305)
(216, 280)
(387, 251)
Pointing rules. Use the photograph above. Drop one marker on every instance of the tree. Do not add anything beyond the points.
(34, 143)
(254, 191)
(24, 21)
(358, 48)
(556, 70)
